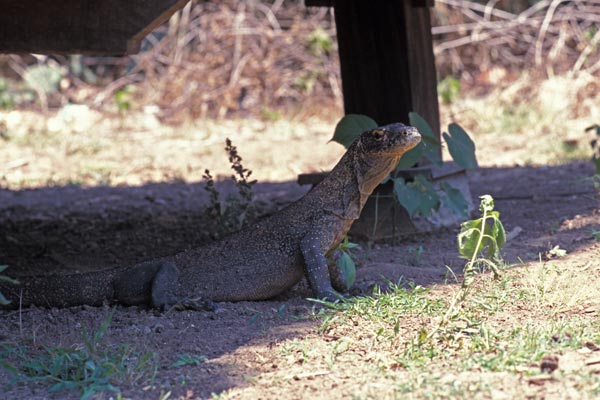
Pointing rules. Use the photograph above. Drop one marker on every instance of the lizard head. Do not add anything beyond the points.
(377, 152)
(388, 141)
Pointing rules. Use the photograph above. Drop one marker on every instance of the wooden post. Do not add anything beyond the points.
(387, 60)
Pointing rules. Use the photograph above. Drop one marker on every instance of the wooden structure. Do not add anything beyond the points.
(385, 46)
(386, 57)
(80, 26)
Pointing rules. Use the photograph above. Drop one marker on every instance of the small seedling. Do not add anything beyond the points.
(188, 359)
(123, 99)
(477, 236)
(479, 241)
(596, 234)
(556, 252)
(414, 255)
(92, 369)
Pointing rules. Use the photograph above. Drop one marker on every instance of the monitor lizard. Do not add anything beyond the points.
(256, 263)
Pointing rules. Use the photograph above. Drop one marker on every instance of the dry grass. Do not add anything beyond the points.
(530, 123)
(139, 149)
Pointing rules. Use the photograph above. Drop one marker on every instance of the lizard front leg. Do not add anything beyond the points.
(315, 267)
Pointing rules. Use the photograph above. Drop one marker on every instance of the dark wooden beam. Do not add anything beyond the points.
(80, 26)
(387, 61)
(319, 3)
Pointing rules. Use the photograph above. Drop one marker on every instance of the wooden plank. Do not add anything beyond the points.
(319, 3)
(80, 26)
(422, 3)
(387, 60)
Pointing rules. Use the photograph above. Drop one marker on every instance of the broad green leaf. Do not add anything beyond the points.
(350, 127)
(3, 300)
(411, 157)
(431, 144)
(468, 238)
(454, 200)
(499, 233)
(418, 196)
(461, 147)
(348, 268)
(422, 126)
(5, 278)
(490, 242)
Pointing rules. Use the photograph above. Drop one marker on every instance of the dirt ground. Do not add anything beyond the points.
(78, 228)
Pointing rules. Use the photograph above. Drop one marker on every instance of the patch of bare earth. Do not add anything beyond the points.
(275, 349)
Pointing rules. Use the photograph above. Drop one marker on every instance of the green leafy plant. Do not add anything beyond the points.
(319, 42)
(89, 370)
(188, 359)
(6, 98)
(123, 99)
(3, 278)
(345, 261)
(480, 241)
(236, 211)
(420, 196)
(449, 89)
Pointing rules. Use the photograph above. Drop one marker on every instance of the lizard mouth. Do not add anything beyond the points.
(407, 141)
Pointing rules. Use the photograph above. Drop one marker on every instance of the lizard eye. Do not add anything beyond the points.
(378, 134)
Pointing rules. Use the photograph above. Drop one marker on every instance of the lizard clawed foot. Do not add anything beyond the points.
(195, 304)
(333, 296)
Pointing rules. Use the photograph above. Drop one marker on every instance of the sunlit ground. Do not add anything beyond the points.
(517, 125)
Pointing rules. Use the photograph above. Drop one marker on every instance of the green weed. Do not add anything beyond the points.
(449, 89)
(345, 261)
(319, 42)
(188, 359)
(123, 99)
(89, 370)
(235, 212)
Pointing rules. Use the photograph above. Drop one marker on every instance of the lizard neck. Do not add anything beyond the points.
(346, 189)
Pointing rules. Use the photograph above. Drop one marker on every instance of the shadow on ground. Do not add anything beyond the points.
(73, 228)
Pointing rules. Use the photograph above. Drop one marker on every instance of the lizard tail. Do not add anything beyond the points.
(59, 290)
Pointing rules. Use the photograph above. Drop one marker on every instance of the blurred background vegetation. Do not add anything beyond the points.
(525, 71)
(270, 58)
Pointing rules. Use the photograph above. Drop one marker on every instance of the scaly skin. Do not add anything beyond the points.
(258, 262)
